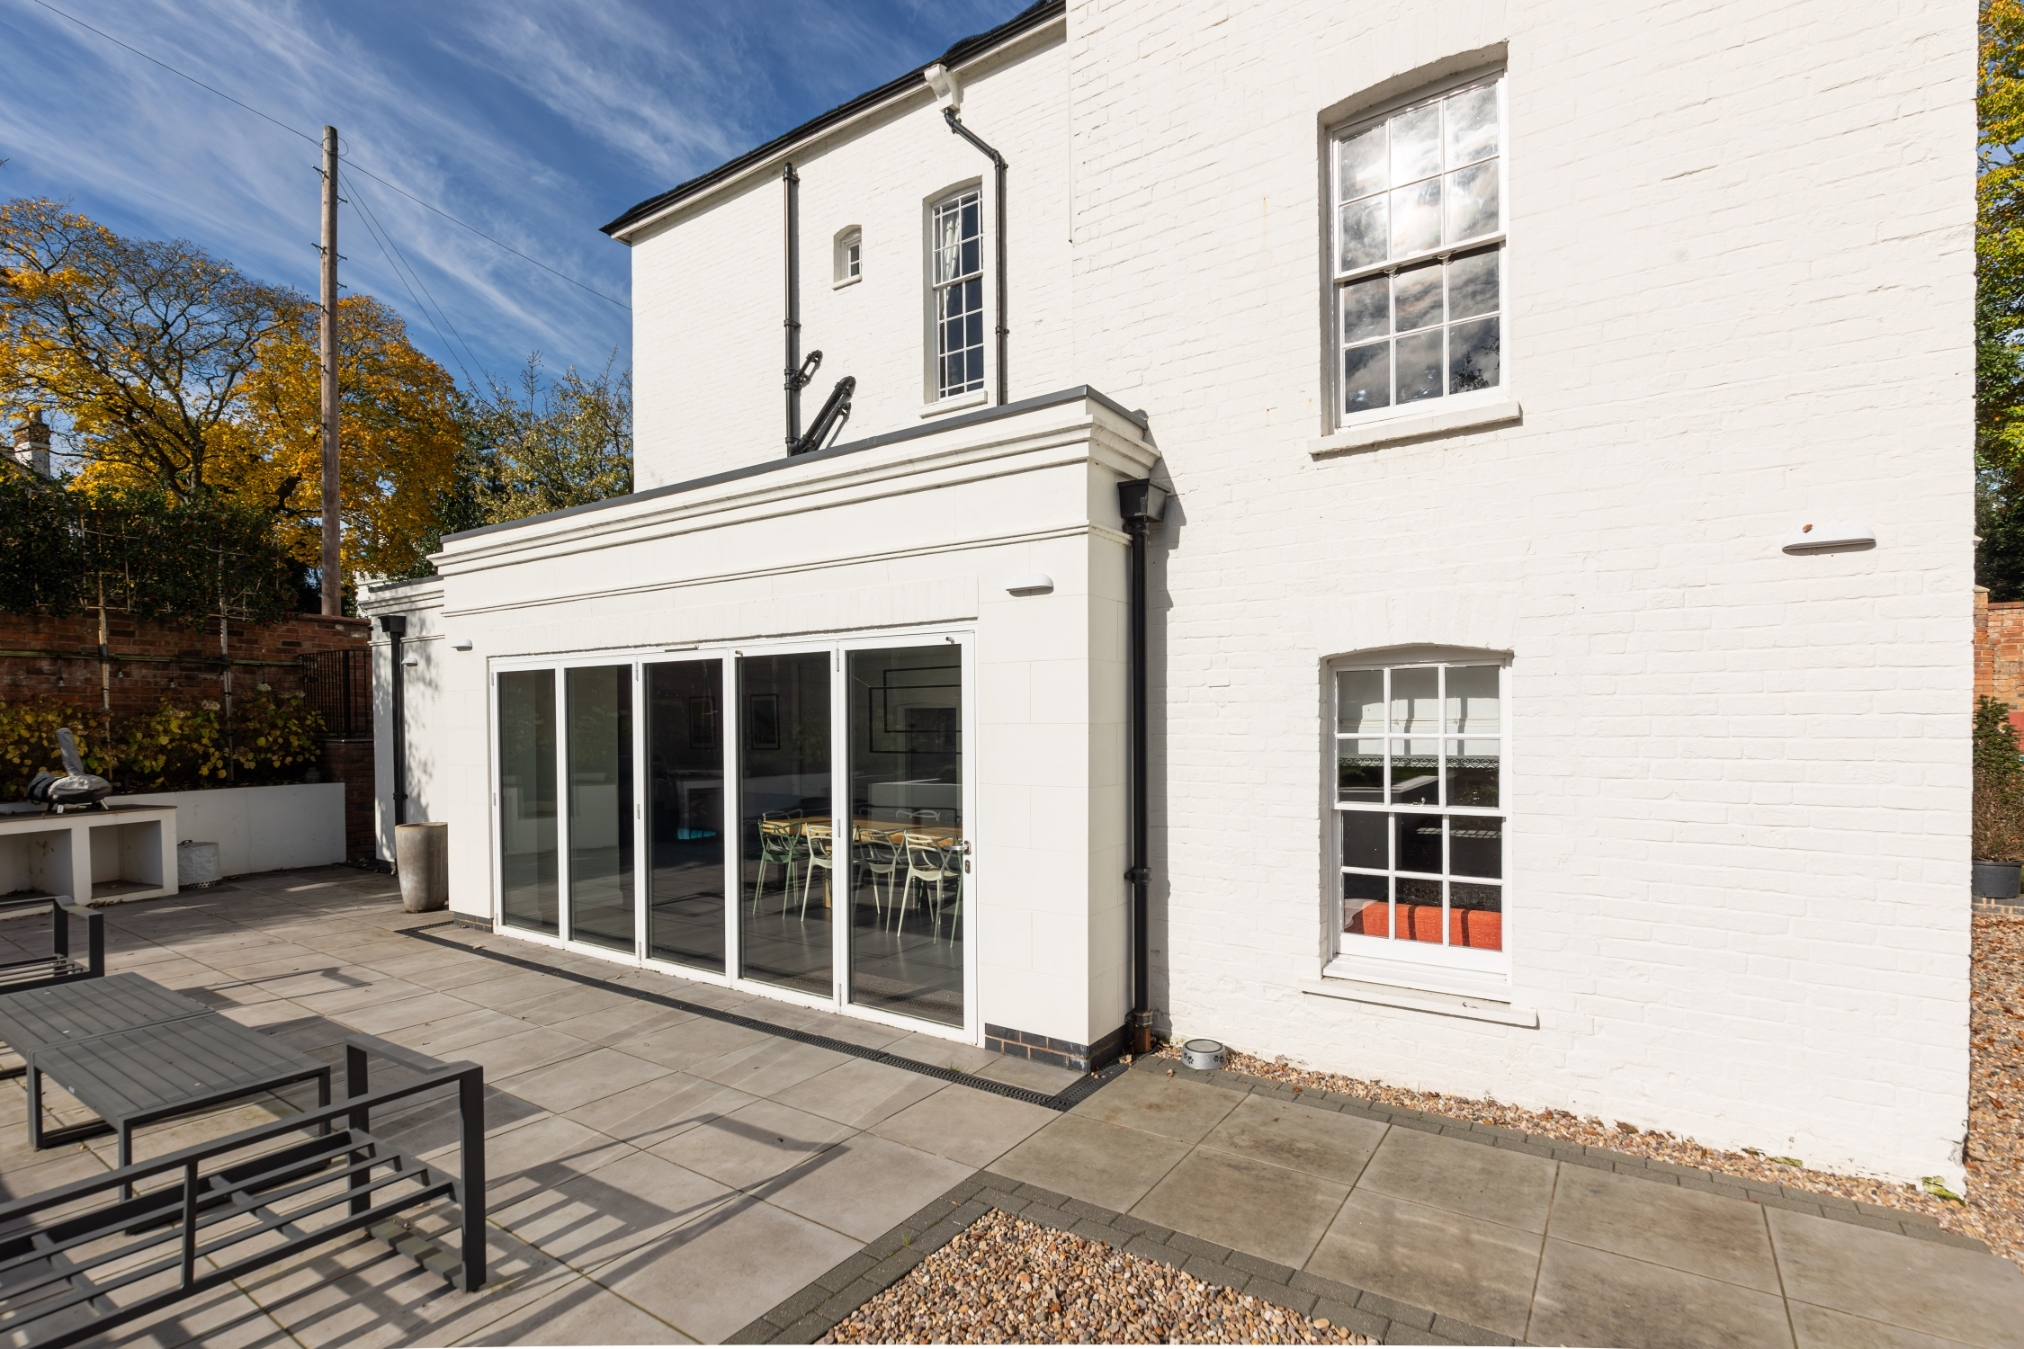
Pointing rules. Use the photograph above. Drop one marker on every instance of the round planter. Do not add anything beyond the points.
(1996, 880)
(422, 858)
(196, 864)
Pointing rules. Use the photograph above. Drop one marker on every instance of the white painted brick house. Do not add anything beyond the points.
(1493, 354)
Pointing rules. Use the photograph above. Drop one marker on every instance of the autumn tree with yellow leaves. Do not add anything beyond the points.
(170, 370)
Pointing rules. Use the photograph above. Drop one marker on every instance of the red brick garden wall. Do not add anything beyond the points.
(1999, 653)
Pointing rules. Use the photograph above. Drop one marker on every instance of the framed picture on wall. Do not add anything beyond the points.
(762, 721)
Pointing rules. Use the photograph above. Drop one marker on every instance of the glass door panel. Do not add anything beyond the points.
(786, 850)
(599, 716)
(908, 856)
(527, 856)
(685, 814)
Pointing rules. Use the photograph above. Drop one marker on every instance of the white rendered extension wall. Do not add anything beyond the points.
(1740, 280)
(709, 289)
(925, 534)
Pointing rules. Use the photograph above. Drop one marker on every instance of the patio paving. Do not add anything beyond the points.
(661, 1175)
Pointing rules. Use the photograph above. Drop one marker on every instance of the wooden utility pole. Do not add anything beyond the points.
(332, 581)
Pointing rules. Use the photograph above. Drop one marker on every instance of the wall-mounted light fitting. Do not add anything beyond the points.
(1037, 584)
(1840, 536)
(460, 644)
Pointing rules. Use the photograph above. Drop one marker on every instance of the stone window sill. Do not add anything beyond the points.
(1416, 425)
(1471, 1007)
(976, 398)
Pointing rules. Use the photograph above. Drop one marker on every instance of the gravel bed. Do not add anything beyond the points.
(1993, 1210)
(1005, 1280)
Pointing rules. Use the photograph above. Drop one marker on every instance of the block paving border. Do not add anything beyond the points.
(817, 1309)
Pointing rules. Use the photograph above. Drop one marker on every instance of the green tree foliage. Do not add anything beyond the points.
(1999, 302)
(549, 445)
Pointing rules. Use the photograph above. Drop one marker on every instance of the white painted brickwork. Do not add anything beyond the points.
(1738, 300)
(1739, 296)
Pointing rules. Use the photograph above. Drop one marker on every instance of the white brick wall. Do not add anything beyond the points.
(1740, 281)
(709, 289)
(1740, 289)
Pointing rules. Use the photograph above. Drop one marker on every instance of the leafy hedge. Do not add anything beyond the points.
(178, 747)
(1999, 785)
(159, 557)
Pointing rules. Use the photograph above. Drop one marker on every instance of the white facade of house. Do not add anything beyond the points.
(1736, 284)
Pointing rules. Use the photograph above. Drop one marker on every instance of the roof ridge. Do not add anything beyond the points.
(962, 50)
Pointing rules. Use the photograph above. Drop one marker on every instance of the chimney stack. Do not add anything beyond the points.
(31, 444)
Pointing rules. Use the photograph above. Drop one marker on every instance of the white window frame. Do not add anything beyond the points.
(849, 256)
(1340, 278)
(1395, 959)
(941, 395)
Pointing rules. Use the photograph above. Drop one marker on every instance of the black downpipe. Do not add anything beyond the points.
(1141, 503)
(790, 182)
(998, 162)
(395, 626)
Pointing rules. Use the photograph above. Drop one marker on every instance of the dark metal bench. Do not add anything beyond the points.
(58, 966)
(83, 1258)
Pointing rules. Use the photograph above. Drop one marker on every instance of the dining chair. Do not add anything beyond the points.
(927, 864)
(780, 844)
(820, 855)
(874, 854)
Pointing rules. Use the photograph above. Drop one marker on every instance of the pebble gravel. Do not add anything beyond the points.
(1004, 1280)
(1992, 1211)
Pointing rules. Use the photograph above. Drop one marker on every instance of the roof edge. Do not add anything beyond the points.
(1045, 11)
(1076, 393)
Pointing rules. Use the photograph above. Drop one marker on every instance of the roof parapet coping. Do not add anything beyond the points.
(1079, 393)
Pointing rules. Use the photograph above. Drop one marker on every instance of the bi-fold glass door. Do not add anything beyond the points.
(804, 811)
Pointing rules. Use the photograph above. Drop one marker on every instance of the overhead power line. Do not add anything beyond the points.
(356, 167)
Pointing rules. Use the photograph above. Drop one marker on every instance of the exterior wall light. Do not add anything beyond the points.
(1830, 538)
(1037, 584)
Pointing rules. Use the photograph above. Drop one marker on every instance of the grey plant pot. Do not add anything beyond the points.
(1996, 880)
(422, 858)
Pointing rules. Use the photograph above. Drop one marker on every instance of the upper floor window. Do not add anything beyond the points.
(849, 255)
(956, 279)
(1419, 760)
(1419, 250)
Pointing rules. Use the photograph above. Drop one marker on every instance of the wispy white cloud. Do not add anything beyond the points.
(534, 121)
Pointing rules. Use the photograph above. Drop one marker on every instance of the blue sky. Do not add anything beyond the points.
(536, 122)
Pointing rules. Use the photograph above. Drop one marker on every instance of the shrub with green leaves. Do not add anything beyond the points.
(1999, 785)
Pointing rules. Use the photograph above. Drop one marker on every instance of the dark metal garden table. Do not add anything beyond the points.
(134, 1052)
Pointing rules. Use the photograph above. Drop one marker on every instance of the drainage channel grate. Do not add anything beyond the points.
(1065, 1099)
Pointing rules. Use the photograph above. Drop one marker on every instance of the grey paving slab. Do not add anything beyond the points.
(1245, 1204)
(1690, 1230)
(1476, 1271)
(1822, 1328)
(1040, 1077)
(754, 1144)
(723, 1272)
(1319, 1142)
(654, 1111)
(381, 1018)
(771, 1065)
(966, 1125)
(1511, 1188)
(1171, 1107)
(940, 1053)
(609, 1026)
(1090, 1159)
(1970, 1296)
(690, 1042)
(581, 1312)
(1597, 1297)
(637, 1198)
(863, 1186)
(858, 1092)
(580, 1078)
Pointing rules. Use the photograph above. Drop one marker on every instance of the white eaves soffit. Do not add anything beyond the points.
(1009, 479)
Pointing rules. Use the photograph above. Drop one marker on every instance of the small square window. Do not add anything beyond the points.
(849, 255)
